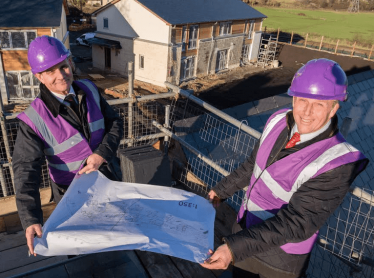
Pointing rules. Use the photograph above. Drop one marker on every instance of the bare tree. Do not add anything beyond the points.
(79, 3)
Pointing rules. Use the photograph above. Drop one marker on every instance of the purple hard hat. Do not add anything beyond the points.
(46, 52)
(320, 79)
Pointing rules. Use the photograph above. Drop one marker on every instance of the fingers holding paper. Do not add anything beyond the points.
(31, 232)
(220, 259)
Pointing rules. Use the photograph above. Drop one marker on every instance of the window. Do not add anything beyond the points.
(22, 85)
(184, 36)
(16, 39)
(225, 28)
(106, 23)
(245, 53)
(141, 61)
(192, 42)
(251, 26)
(187, 68)
(221, 60)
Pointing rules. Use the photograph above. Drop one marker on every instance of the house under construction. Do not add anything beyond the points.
(175, 40)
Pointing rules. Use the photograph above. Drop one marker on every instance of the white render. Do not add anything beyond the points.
(119, 57)
(155, 62)
(138, 23)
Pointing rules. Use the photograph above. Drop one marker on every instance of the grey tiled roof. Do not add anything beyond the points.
(360, 108)
(194, 11)
(257, 112)
(30, 13)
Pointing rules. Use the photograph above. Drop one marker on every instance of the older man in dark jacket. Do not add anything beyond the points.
(69, 124)
(297, 175)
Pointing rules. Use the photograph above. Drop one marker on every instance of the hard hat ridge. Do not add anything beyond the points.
(45, 52)
(320, 79)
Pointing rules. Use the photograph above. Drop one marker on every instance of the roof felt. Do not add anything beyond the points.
(26, 13)
(105, 42)
(194, 11)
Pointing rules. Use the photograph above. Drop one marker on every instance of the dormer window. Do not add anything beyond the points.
(192, 42)
(225, 28)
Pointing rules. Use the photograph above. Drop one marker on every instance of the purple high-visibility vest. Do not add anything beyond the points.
(274, 186)
(65, 147)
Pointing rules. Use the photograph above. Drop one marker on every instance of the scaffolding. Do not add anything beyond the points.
(267, 52)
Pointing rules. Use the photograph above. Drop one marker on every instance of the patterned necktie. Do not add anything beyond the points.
(70, 98)
(295, 138)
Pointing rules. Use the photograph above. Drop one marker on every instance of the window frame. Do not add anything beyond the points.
(20, 86)
(141, 61)
(107, 23)
(221, 61)
(225, 28)
(251, 29)
(192, 41)
(25, 35)
(184, 36)
(190, 67)
(245, 53)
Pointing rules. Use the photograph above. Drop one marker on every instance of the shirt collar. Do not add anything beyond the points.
(60, 97)
(309, 136)
(51, 101)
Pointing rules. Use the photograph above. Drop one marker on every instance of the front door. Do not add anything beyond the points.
(108, 58)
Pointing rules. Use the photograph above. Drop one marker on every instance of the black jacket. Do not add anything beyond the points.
(28, 155)
(308, 209)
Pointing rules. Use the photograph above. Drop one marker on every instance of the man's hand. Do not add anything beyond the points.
(220, 259)
(93, 162)
(213, 198)
(31, 231)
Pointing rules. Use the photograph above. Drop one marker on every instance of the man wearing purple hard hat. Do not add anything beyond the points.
(69, 123)
(297, 175)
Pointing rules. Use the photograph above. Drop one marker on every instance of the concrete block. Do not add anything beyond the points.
(231, 112)
(365, 177)
(218, 153)
(365, 147)
(370, 155)
(356, 88)
(368, 74)
(370, 171)
(359, 182)
(366, 84)
(351, 80)
(283, 100)
(371, 82)
(359, 77)
(356, 138)
(361, 86)
(371, 126)
(245, 110)
(351, 89)
(361, 133)
(361, 97)
(265, 104)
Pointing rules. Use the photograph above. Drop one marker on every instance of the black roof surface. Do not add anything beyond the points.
(30, 13)
(193, 11)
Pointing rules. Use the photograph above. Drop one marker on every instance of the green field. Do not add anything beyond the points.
(334, 25)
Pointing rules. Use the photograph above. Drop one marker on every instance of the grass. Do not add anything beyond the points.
(348, 27)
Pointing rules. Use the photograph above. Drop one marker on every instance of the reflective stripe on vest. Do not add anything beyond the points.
(65, 147)
(307, 173)
(98, 124)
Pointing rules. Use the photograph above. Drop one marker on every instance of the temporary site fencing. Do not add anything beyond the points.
(205, 145)
(319, 44)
